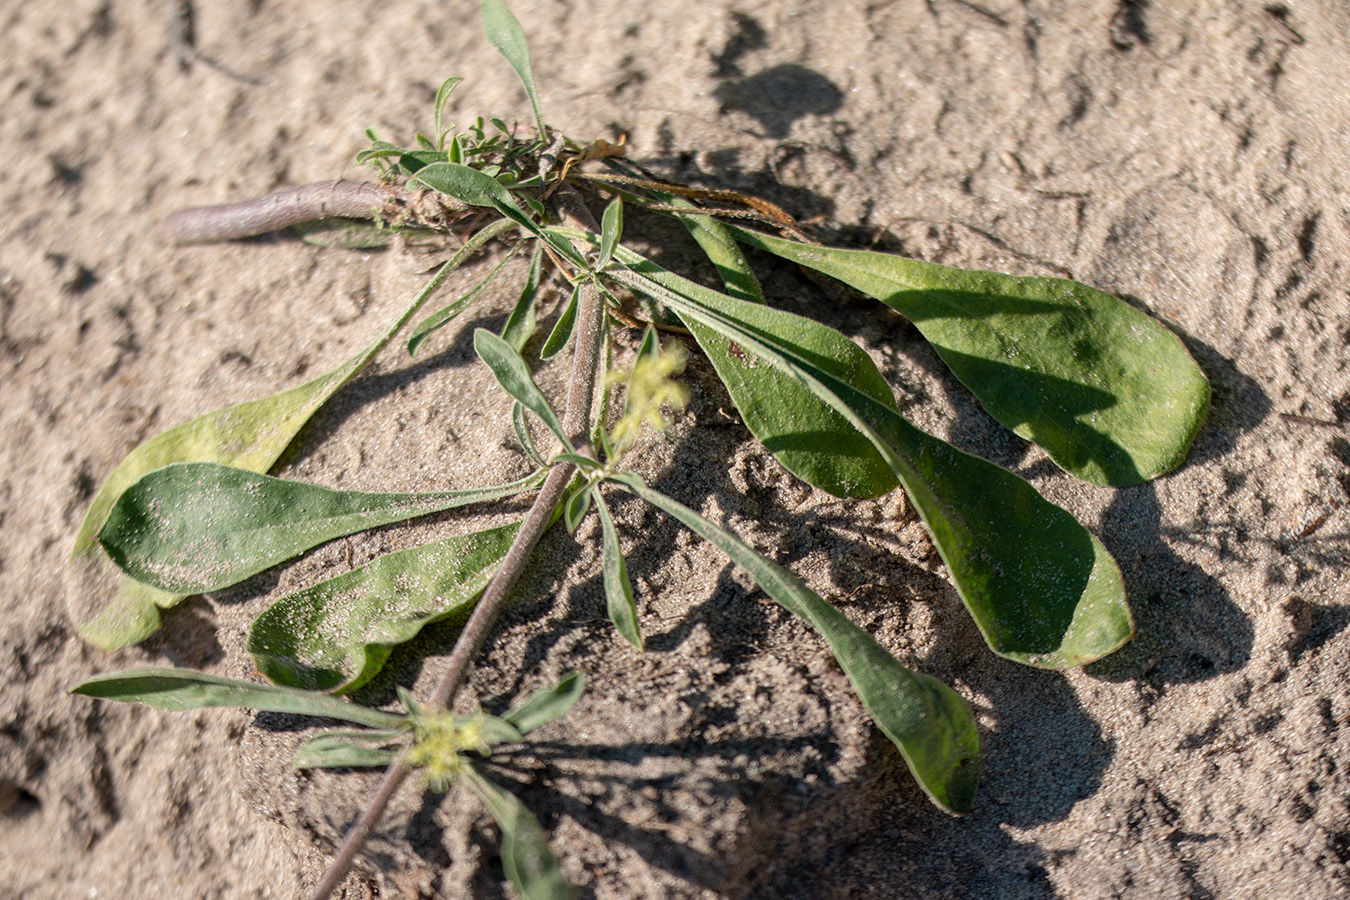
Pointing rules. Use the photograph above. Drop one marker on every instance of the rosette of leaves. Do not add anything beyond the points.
(1109, 393)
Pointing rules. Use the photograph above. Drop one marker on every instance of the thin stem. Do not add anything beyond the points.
(589, 335)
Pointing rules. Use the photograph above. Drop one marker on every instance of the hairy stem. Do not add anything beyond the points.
(588, 338)
(208, 224)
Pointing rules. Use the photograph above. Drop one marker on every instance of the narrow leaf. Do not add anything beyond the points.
(577, 505)
(928, 721)
(522, 428)
(182, 689)
(562, 330)
(618, 587)
(504, 31)
(548, 704)
(1111, 394)
(442, 317)
(337, 634)
(530, 866)
(514, 376)
(611, 231)
(197, 527)
(443, 95)
(1043, 590)
(340, 749)
(521, 324)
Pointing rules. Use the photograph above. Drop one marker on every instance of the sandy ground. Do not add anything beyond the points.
(1190, 156)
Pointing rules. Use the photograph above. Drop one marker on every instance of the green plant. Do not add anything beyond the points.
(1110, 394)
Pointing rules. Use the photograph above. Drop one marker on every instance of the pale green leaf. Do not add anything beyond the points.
(337, 634)
(619, 599)
(927, 721)
(611, 231)
(343, 749)
(176, 690)
(520, 325)
(562, 329)
(545, 705)
(446, 314)
(1111, 394)
(197, 527)
(504, 32)
(514, 376)
(530, 866)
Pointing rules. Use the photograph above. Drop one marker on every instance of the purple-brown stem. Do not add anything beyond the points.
(208, 224)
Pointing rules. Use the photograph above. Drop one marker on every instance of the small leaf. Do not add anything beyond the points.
(337, 634)
(176, 690)
(928, 721)
(514, 377)
(611, 231)
(1111, 394)
(520, 325)
(197, 527)
(548, 704)
(562, 330)
(345, 234)
(504, 31)
(343, 749)
(442, 317)
(522, 427)
(618, 587)
(443, 95)
(530, 866)
(575, 508)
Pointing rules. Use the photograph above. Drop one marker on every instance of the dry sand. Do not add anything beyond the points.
(1192, 156)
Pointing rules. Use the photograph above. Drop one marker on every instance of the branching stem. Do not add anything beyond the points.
(588, 337)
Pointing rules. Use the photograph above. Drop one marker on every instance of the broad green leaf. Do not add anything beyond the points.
(545, 705)
(928, 721)
(618, 587)
(530, 866)
(1042, 589)
(1111, 394)
(176, 690)
(504, 32)
(250, 435)
(343, 749)
(197, 527)
(811, 439)
(513, 375)
(562, 329)
(521, 324)
(611, 230)
(446, 314)
(337, 634)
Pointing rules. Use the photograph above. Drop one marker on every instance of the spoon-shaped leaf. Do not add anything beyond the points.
(249, 435)
(196, 527)
(182, 689)
(1112, 395)
(336, 635)
(928, 721)
(530, 866)
(504, 32)
(1043, 590)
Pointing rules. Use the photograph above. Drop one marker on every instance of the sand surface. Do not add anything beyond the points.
(1191, 156)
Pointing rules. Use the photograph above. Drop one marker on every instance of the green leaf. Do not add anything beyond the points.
(548, 704)
(1111, 394)
(577, 505)
(721, 249)
(618, 587)
(197, 527)
(522, 427)
(562, 329)
(475, 188)
(928, 721)
(443, 95)
(530, 866)
(337, 634)
(513, 375)
(343, 749)
(504, 31)
(346, 234)
(250, 435)
(611, 230)
(1042, 589)
(521, 324)
(176, 690)
(442, 317)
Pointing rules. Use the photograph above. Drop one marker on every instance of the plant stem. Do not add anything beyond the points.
(207, 224)
(588, 337)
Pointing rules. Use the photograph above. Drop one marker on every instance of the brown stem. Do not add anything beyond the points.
(208, 224)
(589, 335)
